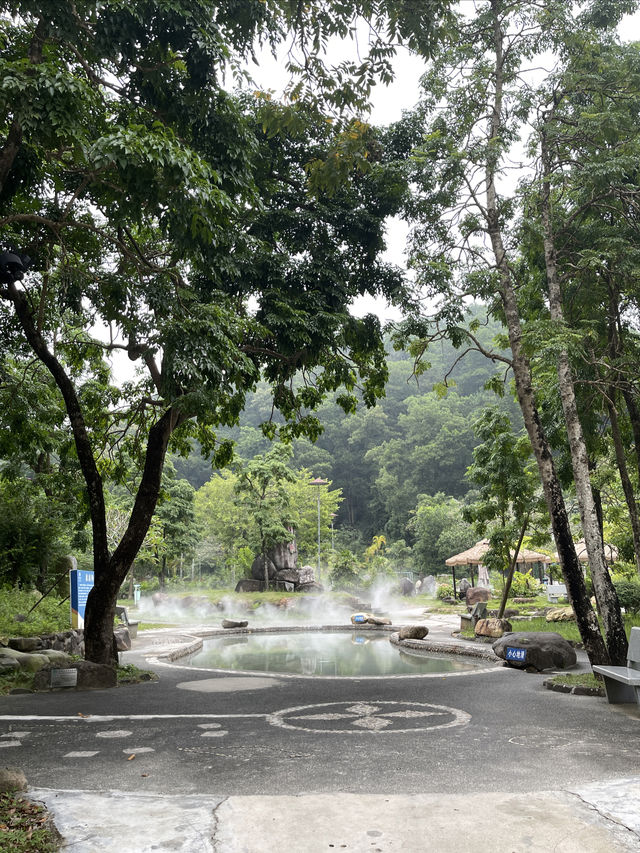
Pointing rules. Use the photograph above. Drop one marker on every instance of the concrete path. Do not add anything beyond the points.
(594, 819)
(206, 761)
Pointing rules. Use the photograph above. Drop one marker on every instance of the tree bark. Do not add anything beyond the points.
(572, 570)
(604, 590)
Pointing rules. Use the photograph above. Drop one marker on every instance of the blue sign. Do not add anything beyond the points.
(516, 654)
(359, 617)
(80, 585)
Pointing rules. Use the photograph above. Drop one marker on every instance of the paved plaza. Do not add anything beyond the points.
(208, 761)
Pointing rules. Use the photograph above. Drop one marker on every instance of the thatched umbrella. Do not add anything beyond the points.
(610, 552)
(474, 556)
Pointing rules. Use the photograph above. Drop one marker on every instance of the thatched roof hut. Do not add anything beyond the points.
(475, 555)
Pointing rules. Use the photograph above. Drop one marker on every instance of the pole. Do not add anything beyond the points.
(319, 576)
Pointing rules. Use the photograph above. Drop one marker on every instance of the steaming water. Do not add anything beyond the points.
(195, 609)
(349, 653)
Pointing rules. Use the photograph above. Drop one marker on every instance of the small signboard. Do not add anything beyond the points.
(64, 678)
(359, 617)
(80, 585)
(514, 653)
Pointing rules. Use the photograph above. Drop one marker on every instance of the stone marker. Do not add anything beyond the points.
(90, 675)
(492, 627)
(476, 594)
(413, 632)
(537, 649)
(233, 623)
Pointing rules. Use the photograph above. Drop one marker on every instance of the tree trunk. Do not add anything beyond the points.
(572, 570)
(604, 590)
(627, 486)
(512, 568)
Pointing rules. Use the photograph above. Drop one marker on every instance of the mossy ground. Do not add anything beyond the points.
(26, 827)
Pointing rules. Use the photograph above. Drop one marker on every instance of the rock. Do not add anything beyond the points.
(123, 638)
(159, 598)
(54, 656)
(312, 586)
(12, 779)
(8, 663)
(492, 627)
(284, 556)
(429, 586)
(90, 676)
(33, 662)
(20, 617)
(413, 632)
(369, 619)
(233, 623)
(258, 567)
(291, 576)
(561, 614)
(463, 586)
(543, 650)
(249, 585)
(406, 587)
(449, 600)
(474, 594)
(25, 644)
(307, 574)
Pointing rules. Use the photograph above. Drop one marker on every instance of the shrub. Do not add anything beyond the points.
(524, 583)
(445, 591)
(628, 594)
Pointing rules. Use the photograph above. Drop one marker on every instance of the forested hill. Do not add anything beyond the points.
(416, 440)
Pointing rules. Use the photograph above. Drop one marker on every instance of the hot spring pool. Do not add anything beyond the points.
(322, 653)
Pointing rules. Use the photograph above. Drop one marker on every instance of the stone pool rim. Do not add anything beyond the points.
(193, 641)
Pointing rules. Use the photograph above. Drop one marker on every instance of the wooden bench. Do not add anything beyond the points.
(468, 620)
(622, 683)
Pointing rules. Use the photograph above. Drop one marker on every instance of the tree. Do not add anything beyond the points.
(506, 493)
(465, 213)
(149, 203)
(440, 531)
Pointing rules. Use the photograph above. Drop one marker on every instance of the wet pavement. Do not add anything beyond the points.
(203, 760)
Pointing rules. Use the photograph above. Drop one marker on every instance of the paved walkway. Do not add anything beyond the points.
(484, 760)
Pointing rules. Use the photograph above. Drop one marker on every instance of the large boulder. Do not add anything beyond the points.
(537, 649)
(406, 587)
(90, 676)
(492, 627)
(474, 594)
(413, 632)
(249, 585)
(284, 555)
(311, 586)
(259, 565)
(291, 576)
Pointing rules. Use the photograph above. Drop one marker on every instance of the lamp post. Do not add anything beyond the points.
(318, 482)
